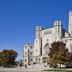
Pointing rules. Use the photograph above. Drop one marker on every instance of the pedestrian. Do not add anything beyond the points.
(25, 66)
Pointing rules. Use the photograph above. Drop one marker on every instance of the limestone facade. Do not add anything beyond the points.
(44, 38)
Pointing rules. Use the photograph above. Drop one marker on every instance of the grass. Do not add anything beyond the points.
(58, 70)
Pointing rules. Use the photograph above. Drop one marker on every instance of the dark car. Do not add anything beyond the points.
(68, 66)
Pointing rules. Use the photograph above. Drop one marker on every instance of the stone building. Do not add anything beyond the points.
(44, 38)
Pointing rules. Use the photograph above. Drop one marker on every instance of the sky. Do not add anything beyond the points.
(19, 18)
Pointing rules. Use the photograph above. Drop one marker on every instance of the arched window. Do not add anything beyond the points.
(46, 49)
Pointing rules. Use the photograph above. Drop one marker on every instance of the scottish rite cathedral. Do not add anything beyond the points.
(34, 53)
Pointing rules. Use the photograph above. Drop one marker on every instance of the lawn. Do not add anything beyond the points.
(58, 70)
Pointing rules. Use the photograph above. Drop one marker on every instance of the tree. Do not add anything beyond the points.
(7, 57)
(58, 53)
(69, 58)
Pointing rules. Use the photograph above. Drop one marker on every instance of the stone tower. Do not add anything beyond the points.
(70, 23)
(37, 44)
(58, 30)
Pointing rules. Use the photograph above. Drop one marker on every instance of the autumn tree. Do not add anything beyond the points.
(69, 58)
(58, 53)
(7, 57)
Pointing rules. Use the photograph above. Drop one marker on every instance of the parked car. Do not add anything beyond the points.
(68, 66)
(53, 65)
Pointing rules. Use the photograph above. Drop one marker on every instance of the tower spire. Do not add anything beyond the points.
(70, 23)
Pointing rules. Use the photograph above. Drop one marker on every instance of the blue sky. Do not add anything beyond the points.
(18, 19)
